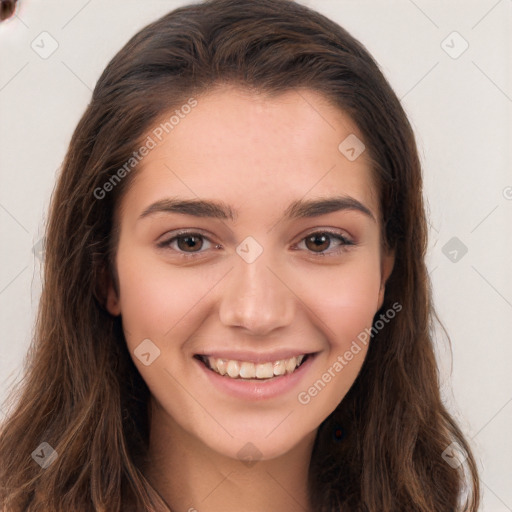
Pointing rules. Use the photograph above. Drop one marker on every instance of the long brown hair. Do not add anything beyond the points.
(81, 392)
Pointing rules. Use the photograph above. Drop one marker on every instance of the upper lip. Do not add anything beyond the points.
(255, 357)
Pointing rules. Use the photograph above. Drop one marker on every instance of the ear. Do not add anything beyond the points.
(386, 267)
(112, 303)
(105, 290)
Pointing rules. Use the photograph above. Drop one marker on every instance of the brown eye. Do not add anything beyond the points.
(318, 242)
(188, 243)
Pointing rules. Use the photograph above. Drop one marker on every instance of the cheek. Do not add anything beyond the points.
(155, 297)
(345, 298)
(344, 301)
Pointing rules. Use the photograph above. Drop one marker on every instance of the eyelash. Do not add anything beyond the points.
(345, 242)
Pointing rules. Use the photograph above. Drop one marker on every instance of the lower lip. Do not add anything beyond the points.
(253, 390)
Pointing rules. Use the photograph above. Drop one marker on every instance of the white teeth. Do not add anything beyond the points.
(247, 370)
(291, 364)
(264, 371)
(233, 368)
(280, 367)
(221, 366)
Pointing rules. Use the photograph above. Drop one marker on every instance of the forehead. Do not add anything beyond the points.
(254, 152)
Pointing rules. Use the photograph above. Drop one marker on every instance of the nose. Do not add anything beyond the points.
(257, 297)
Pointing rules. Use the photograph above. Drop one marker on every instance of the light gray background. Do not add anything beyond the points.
(461, 110)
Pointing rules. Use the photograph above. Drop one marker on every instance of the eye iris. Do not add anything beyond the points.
(324, 241)
(190, 241)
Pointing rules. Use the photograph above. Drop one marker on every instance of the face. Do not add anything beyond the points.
(270, 271)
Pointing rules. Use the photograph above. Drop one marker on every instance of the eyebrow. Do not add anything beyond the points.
(219, 210)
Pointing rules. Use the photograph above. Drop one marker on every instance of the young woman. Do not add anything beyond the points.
(236, 312)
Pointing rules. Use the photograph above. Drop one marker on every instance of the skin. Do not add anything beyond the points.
(256, 154)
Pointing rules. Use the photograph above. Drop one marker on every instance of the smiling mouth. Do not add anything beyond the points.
(245, 370)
